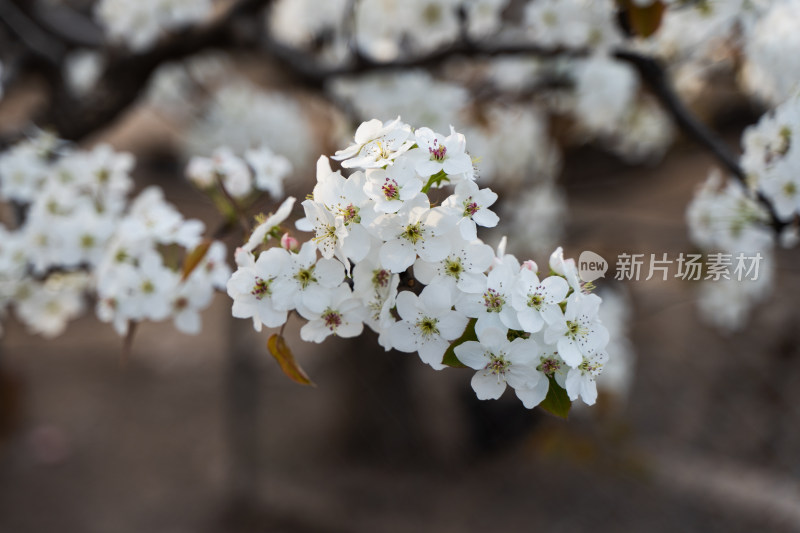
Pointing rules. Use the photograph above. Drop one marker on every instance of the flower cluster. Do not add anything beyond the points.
(378, 238)
(260, 169)
(75, 234)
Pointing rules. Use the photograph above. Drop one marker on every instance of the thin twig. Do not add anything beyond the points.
(654, 76)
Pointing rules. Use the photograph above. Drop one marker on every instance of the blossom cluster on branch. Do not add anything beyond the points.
(378, 238)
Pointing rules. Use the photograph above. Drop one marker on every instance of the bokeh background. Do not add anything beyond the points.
(696, 429)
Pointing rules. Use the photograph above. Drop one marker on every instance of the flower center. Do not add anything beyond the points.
(350, 213)
(427, 326)
(453, 267)
(493, 301)
(437, 151)
(261, 288)
(498, 364)
(332, 319)
(590, 367)
(550, 366)
(380, 278)
(390, 189)
(535, 300)
(413, 232)
(306, 276)
(470, 207)
(574, 329)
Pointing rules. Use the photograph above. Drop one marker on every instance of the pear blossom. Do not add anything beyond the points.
(341, 314)
(270, 169)
(265, 230)
(436, 153)
(306, 281)
(578, 332)
(414, 229)
(499, 362)
(427, 324)
(580, 380)
(493, 303)
(250, 287)
(472, 204)
(377, 144)
(461, 270)
(536, 302)
(391, 187)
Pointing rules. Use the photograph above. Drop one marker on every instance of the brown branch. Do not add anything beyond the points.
(126, 76)
(653, 75)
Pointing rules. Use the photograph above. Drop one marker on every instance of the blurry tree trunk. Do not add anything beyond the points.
(381, 423)
(242, 383)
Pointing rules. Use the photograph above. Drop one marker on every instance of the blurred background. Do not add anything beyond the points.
(697, 426)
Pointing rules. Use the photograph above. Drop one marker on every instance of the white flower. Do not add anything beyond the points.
(226, 166)
(463, 268)
(436, 153)
(306, 282)
(391, 187)
(492, 305)
(472, 205)
(498, 362)
(581, 379)
(376, 144)
(270, 170)
(414, 229)
(427, 324)
(342, 315)
(268, 228)
(537, 301)
(578, 332)
(251, 287)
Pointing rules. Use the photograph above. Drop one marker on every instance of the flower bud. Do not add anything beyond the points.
(290, 243)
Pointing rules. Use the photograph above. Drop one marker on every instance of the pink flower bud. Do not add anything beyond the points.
(290, 243)
(531, 265)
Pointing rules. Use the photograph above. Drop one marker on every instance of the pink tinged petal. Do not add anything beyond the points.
(403, 337)
(397, 255)
(432, 350)
(452, 325)
(458, 163)
(569, 352)
(488, 386)
(407, 306)
(472, 354)
(533, 396)
(486, 218)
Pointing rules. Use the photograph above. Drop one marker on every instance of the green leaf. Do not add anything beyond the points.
(436, 179)
(469, 334)
(557, 402)
(281, 352)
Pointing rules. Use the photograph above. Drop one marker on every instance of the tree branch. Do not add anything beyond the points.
(654, 76)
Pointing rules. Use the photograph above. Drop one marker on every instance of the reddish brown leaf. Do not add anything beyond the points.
(281, 352)
(194, 258)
